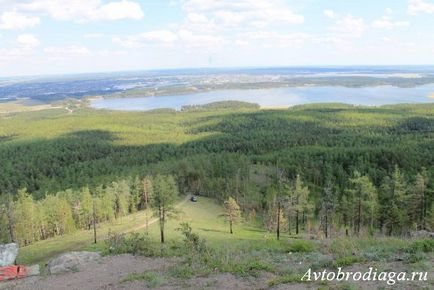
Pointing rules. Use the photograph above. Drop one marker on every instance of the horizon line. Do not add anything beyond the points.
(228, 68)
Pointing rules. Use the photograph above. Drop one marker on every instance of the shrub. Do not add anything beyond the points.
(192, 242)
(303, 246)
(115, 244)
(425, 246)
(135, 244)
(416, 251)
(347, 261)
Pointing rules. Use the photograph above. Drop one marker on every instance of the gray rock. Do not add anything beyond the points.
(422, 234)
(70, 261)
(33, 270)
(8, 254)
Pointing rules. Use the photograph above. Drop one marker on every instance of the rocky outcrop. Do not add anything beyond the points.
(8, 254)
(70, 261)
(422, 234)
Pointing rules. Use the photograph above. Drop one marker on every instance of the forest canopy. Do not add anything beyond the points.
(330, 164)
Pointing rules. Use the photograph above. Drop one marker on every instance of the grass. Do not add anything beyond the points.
(248, 252)
(42, 251)
(202, 216)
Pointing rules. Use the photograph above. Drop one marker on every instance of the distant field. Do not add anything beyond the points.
(18, 106)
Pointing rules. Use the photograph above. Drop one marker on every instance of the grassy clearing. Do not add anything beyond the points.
(248, 252)
(203, 217)
(42, 251)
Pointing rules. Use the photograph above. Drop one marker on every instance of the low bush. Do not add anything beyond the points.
(425, 246)
(302, 246)
(417, 250)
(347, 261)
(135, 244)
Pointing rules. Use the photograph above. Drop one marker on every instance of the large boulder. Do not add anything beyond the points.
(70, 261)
(8, 254)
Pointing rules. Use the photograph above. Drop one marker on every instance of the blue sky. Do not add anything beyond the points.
(75, 36)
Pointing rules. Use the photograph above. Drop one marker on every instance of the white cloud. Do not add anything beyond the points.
(72, 50)
(10, 54)
(329, 40)
(330, 13)
(159, 36)
(196, 17)
(386, 21)
(119, 10)
(93, 35)
(241, 42)
(420, 6)
(271, 39)
(168, 38)
(246, 12)
(389, 24)
(110, 53)
(349, 26)
(27, 41)
(84, 10)
(14, 20)
(188, 38)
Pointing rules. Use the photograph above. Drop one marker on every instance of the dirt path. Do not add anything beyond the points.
(112, 272)
(106, 273)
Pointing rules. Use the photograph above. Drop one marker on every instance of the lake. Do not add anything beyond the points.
(278, 97)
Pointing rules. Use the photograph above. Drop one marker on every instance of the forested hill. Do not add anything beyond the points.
(51, 150)
(371, 167)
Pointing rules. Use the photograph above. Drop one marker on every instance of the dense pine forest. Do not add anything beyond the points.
(318, 170)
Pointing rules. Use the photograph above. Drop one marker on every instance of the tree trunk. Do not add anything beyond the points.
(289, 223)
(11, 227)
(424, 211)
(359, 213)
(94, 222)
(230, 226)
(303, 220)
(278, 221)
(296, 222)
(162, 224)
(146, 213)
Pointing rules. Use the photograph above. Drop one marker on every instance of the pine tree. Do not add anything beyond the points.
(165, 191)
(327, 208)
(145, 197)
(120, 193)
(301, 198)
(135, 194)
(418, 200)
(365, 197)
(26, 228)
(85, 209)
(232, 212)
(394, 211)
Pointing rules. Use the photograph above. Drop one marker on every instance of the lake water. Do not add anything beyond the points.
(278, 97)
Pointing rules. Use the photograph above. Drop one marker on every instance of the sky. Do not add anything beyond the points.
(40, 37)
